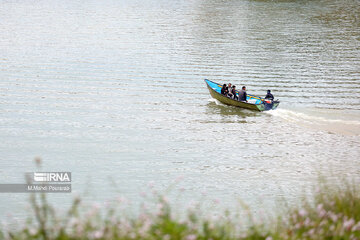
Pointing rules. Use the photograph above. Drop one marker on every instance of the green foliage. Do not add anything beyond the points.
(333, 213)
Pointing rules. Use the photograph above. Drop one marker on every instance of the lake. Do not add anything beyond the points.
(113, 92)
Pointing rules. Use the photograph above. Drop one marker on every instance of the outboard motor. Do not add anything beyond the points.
(268, 104)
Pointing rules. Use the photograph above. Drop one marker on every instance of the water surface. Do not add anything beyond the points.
(113, 91)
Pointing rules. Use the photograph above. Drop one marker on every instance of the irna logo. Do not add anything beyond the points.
(52, 177)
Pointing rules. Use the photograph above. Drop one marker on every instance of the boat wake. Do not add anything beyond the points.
(326, 120)
(217, 102)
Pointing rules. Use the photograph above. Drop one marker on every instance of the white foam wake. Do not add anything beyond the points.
(217, 102)
(335, 122)
(294, 116)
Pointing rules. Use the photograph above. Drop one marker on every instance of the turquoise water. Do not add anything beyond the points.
(113, 92)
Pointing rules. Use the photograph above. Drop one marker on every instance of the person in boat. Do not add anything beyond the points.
(269, 95)
(234, 93)
(242, 94)
(230, 94)
(224, 90)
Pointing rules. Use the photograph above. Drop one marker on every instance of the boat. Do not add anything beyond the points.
(253, 102)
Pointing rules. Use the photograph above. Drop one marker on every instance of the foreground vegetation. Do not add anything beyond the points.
(333, 213)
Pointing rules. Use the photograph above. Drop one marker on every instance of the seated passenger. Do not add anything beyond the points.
(269, 95)
(242, 94)
(224, 90)
(230, 94)
(234, 92)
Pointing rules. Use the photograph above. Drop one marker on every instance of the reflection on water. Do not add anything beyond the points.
(215, 107)
(116, 89)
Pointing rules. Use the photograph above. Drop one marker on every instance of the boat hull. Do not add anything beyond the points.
(256, 104)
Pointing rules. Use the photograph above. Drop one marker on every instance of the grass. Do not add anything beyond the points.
(332, 213)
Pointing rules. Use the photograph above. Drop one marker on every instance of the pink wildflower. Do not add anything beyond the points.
(322, 213)
(33, 231)
(79, 230)
(98, 234)
(319, 207)
(159, 206)
(356, 227)
(348, 224)
(307, 222)
(323, 223)
(332, 228)
(165, 199)
(191, 237)
(145, 227)
(302, 212)
(311, 232)
(132, 235)
(73, 221)
(333, 216)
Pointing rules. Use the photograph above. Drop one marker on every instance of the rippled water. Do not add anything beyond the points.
(113, 91)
